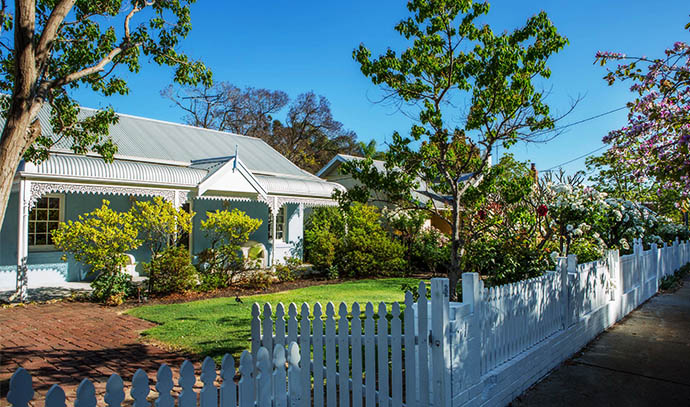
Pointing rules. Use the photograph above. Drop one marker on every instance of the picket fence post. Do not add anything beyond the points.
(441, 342)
(472, 296)
(562, 267)
(573, 292)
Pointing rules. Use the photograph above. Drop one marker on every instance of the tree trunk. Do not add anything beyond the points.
(455, 252)
(16, 136)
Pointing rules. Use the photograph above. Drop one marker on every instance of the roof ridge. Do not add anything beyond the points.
(176, 124)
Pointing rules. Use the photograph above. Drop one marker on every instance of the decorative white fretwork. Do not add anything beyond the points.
(39, 189)
(274, 203)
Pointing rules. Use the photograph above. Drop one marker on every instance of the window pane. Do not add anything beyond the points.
(52, 226)
(32, 227)
(32, 239)
(50, 238)
(54, 214)
(41, 214)
(54, 203)
(41, 239)
(40, 227)
(42, 203)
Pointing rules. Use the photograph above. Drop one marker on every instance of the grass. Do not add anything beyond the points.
(217, 326)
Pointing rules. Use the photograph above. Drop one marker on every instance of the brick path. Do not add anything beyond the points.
(65, 342)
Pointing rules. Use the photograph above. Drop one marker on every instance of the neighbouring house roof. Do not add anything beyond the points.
(153, 152)
(423, 194)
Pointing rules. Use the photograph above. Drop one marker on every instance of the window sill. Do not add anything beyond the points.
(43, 248)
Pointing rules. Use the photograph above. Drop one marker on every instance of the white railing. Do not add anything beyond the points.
(483, 351)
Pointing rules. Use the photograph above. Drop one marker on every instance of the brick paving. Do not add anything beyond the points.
(64, 343)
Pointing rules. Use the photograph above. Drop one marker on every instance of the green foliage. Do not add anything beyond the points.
(222, 261)
(171, 271)
(322, 233)
(675, 280)
(288, 271)
(366, 249)
(100, 239)
(112, 288)
(160, 224)
(414, 289)
(451, 57)
(430, 252)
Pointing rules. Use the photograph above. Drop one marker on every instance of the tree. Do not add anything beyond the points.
(309, 136)
(61, 46)
(226, 107)
(618, 180)
(450, 56)
(369, 150)
(656, 141)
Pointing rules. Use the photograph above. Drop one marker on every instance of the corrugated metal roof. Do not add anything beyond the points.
(119, 170)
(302, 187)
(153, 139)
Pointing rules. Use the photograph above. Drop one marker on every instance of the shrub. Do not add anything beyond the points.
(430, 252)
(171, 271)
(227, 230)
(160, 226)
(289, 270)
(322, 233)
(112, 288)
(100, 239)
(367, 250)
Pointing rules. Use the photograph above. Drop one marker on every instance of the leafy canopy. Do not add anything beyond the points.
(99, 238)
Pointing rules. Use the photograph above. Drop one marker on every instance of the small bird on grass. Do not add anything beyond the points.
(238, 299)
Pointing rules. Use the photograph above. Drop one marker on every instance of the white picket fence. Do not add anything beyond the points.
(484, 351)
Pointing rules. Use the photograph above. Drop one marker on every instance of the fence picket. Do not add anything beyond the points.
(164, 385)
(370, 356)
(318, 355)
(246, 385)
(263, 378)
(140, 389)
(86, 394)
(343, 356)
(280, 329)
(292, 323)
(294, 387)
(423, 349)
(114, 392)
(279, 377)
(382, 336)
(356, 356)
(256, 330)
(396, 356)
(208, 397)
(187, 397)
(410, 353)
(266, 330)
(330, 356)
(228, 389)
(21, 389)
(55, 397)
(304, 346)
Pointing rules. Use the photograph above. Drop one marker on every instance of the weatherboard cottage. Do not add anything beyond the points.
(197, 169)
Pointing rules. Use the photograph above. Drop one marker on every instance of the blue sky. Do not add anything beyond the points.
(299, 46)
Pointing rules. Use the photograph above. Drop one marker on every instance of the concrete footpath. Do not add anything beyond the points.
(644, 360)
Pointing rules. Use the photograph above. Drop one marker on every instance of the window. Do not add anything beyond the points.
(184, 238)
(280, 224)
(44, 218)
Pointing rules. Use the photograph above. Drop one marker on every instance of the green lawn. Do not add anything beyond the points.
(220, 325)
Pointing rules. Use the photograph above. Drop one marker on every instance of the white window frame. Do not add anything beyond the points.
(282, 223)
(61, 218)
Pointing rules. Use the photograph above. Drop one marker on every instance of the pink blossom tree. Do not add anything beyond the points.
(655, 142)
